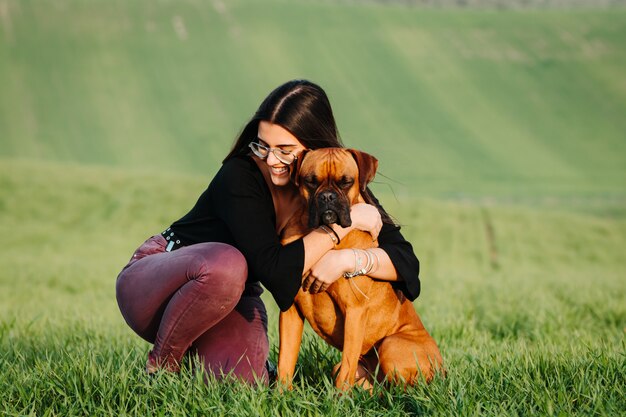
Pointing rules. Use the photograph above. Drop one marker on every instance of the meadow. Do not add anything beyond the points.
(501, 140)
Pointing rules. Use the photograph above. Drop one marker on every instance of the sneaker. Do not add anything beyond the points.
(272, 371)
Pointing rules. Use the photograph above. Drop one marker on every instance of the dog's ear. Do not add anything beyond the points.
(295, 168)
(367, 167)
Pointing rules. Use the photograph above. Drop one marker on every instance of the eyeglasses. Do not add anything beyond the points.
(262, 151)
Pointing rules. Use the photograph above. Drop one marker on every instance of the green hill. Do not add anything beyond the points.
(453, 102)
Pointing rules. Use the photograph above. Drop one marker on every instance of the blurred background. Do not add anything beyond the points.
(489, 98)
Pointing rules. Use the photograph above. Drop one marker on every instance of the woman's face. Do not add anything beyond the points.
(276, 136)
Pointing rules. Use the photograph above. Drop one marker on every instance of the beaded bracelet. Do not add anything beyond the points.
(367, 268)
(357, 264)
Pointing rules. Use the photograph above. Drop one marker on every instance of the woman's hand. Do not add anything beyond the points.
(366, 217)
(328, 270)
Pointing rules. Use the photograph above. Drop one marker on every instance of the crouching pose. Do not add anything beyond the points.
(195, 287)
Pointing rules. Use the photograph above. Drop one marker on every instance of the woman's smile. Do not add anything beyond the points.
(274, 136)
(279, 170)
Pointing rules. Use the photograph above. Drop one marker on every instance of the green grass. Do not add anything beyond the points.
(530, 318)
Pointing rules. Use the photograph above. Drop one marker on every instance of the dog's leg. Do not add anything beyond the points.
(354, 333)
(291, 324)
(409, 356)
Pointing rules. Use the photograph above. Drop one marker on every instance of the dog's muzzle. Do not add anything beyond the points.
(330, 208)
(329, 217)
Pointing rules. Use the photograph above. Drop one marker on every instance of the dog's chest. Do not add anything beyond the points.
(326, 311)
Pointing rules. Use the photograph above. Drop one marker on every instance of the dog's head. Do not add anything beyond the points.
(331, 180)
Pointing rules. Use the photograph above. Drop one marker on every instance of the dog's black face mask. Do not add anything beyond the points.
(327, 203)
(331, 180)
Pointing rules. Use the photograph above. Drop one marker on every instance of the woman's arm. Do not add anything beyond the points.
(383, 268)
(242, 201)
(317, 243)
(394, 256)
(335, 263)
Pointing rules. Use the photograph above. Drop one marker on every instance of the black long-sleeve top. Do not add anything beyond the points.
(237, 209)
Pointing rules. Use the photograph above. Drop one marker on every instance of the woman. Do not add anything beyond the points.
(196, 287)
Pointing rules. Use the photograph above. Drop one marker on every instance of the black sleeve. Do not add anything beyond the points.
(404, 260)
(401, 254)
(242, 200)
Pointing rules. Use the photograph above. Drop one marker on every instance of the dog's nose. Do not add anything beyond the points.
(328, 196)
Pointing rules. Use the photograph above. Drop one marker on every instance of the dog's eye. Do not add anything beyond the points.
(310, 181)
(345, 182)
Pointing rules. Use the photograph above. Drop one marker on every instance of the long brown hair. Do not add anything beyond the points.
(302, 108)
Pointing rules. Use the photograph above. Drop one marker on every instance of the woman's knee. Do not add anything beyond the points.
(125, 292)
(218, 263)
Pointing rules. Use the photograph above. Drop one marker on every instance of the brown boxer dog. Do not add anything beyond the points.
(360, 316)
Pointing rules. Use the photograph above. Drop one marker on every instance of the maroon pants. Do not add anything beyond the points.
(195, 299)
